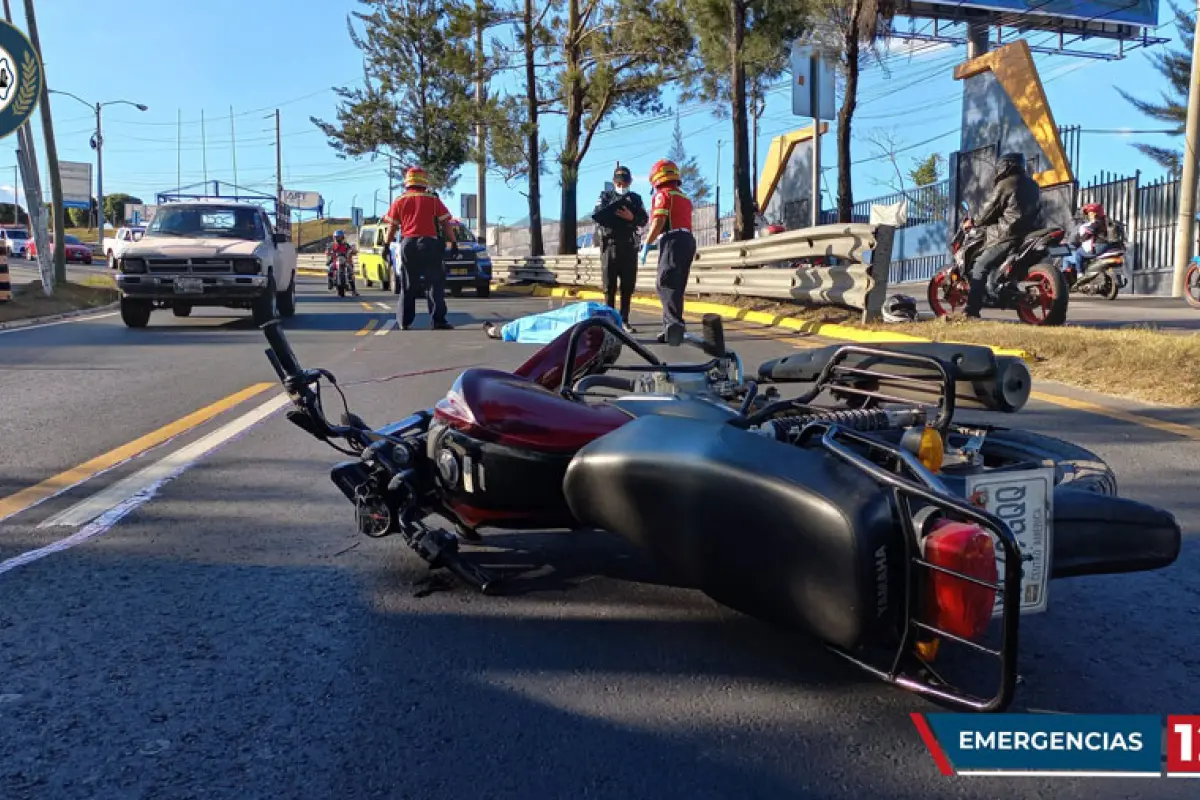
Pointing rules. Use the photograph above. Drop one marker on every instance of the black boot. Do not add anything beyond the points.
(975, 297)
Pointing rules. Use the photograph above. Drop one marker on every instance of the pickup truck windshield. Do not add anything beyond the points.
(217, 222)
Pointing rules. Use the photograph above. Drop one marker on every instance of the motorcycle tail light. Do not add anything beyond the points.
(961, 607)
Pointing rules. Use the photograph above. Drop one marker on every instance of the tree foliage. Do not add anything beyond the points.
(693, 181)
(740, 43)
(1176, 67)
(615, 57)
(854, 29)
(414, 102)
(927, 170)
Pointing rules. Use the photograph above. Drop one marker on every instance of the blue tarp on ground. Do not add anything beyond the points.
(546, 327)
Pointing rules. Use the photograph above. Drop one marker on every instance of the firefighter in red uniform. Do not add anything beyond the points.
(418, 214)
(671, 217)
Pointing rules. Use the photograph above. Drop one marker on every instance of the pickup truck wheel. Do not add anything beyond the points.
(112, 260)
(182, 309)
(287, 300)
(483, 289)
(136, 313)
(264, 308)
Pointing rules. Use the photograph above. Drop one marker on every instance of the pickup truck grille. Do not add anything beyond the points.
(195, 266)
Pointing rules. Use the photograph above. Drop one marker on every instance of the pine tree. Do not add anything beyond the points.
(1176, 67)
(693, 182)
(415, 102)
(616, 55)
(928, 170)
(740, 43)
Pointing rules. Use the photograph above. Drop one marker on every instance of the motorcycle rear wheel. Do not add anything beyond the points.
(1191, 286)
(945, 296)
(1074, 466)
(1050, 295)
(1111, 288)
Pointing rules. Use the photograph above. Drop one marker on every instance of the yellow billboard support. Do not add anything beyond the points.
(1014, 69)
(777, 160)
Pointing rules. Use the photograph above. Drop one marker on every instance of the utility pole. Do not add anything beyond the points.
(60, 245)
(480, 128)
(278, 158)
(99, 177)
(204, 149)
(718, 191)
(233, 142)
(1185, 237)
(179, 148)
(391, 191)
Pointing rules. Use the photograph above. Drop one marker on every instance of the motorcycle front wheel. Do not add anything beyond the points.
(945, 295)
(1191, 286)
(1044, 300)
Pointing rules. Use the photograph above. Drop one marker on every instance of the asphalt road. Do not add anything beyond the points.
(222, 632)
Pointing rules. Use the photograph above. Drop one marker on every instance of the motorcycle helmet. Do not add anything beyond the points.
(339, 235)
(1010, 164)
(900, 308)
(415, 178)
(663, 172)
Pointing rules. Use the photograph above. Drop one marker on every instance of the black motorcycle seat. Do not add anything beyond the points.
(686, 407)
(966, 362)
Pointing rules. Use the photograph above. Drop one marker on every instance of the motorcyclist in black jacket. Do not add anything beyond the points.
(1010, 213)
(619, 242)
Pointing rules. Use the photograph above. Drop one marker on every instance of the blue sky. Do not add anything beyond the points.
(257, 56)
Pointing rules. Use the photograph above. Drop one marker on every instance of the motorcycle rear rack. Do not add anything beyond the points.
(930, 490)
(835, 372)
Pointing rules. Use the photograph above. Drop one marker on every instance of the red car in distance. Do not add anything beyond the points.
(77, 251)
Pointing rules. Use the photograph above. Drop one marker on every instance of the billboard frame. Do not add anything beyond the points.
(952, 25)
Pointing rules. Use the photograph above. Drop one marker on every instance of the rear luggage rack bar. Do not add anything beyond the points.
(835, 371)
(904, 491)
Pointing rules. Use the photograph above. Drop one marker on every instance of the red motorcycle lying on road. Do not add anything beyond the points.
(872, 522)
(1025, 282)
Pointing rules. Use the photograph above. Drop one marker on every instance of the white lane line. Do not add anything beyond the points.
(384, 306)
(127, 494)
(40, 325)
(386, 327)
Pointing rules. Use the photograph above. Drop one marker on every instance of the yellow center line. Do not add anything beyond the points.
(366, 306)
(1176, 428)
(27, 498)
(370, 326)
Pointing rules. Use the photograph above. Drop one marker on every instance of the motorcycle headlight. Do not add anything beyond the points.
(133, 265)
(247, 266)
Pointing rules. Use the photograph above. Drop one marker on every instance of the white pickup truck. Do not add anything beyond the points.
(208, 253)
(115, 246)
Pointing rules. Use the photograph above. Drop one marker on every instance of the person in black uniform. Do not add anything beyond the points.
(1011, 212)
(618, 232)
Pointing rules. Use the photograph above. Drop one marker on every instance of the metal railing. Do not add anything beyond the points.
(773, 267)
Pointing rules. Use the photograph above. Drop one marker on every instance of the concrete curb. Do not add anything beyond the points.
(826, 329)
(83, 312)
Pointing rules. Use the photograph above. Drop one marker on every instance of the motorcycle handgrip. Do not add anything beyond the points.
(281, 348)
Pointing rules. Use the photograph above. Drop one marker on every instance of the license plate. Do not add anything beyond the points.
(460, 271)
(1023, 499)
(189, 286)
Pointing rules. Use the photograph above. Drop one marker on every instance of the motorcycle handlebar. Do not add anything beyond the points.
(281, 348)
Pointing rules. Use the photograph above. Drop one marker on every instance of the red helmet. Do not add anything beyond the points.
(663, 171)
(1094, 208)
(415, 176)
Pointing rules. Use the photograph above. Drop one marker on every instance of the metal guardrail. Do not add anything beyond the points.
(752, 268)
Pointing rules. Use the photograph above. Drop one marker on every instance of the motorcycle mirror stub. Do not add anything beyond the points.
(675, 333)
(714, 335)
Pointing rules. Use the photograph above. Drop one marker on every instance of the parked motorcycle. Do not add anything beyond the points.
(1037, 291)
(874, 523)
(1103, 275)
(340, 274)
(1191, 284)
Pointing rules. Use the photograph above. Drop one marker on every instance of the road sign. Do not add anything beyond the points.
(808, 65)
(303, 201)
(469, 206)
(76, 184)
(356, 218)
(138, 214)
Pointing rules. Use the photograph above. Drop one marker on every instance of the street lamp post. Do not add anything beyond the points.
(98, 145)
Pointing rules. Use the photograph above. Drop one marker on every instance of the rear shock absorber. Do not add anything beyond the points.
(788, 429)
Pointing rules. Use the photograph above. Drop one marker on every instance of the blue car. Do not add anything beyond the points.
(473, 267)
